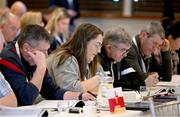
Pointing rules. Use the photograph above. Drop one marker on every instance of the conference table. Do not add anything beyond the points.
(51, 106)
(175, 83)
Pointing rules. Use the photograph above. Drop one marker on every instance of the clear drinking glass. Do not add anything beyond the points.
(106, 83)
(144, 91)
(63, 106)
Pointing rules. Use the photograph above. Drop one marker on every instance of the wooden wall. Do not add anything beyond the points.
(32, 4)
(105, 8)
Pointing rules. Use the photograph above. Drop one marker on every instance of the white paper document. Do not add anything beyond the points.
(175, 82)
(176, 79)
(111, 93)
(20, 112)
(170, 84)
(46, 104)
(132, 96)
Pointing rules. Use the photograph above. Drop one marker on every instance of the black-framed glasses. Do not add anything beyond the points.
(124, 51)
(155, 44)
(45, 51)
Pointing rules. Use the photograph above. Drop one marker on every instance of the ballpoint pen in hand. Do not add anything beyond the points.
(92, 94)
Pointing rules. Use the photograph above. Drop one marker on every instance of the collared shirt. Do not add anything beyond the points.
(70, 4)
(2, 41)
(5, 88)
(144, 66)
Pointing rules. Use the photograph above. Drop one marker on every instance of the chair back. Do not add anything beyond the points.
(168, 109)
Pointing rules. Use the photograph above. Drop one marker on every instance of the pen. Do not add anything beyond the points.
(92, 93)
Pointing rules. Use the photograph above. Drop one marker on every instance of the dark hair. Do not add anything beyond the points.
(33, 34)
(77, 46)
(166, 24)
(174, 30)
(49, 10)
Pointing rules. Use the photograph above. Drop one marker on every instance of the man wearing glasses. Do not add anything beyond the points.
(141, 55)
(23, 64)
(9, 26)
(116, 45)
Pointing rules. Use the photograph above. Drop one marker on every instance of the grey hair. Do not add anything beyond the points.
(117, 35)
(33, 34)
(4, 18)
(154, 28)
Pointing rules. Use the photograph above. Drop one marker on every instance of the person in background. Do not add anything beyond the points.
(18, 8)
(29, 18)
(166, 24)
(2, 41)
(151, 38)
(72, 7)
(116, 45)
(58, 27)
(9, 26)
(168, 10)
(23, 65)
(174, 39)
(47, 14)
(74, 65)
(4, 10)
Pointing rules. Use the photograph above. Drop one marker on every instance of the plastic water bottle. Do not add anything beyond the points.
(106, 82)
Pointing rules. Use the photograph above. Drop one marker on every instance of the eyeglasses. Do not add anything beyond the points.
(153, 40)
(122, 50)
(13, 28)
(98, 45)
(45, 51)
(156, 45)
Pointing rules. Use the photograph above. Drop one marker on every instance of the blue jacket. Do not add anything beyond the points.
(18, 73)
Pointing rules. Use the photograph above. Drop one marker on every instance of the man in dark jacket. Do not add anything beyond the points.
(116, 45)
(150, 41)
(23, 64)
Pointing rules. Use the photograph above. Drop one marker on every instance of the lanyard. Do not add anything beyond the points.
(18, 53)
(142, 61)
(17, 50)
(112, 70)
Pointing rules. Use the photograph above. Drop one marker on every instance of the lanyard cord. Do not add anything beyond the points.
(142, 61)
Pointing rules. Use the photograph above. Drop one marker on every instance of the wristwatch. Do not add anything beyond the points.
(80, 96)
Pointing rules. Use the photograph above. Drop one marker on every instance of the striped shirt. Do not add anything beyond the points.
(5, 88)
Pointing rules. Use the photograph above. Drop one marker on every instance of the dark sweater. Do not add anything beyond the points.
(18, 73)
(129, 80)
(134, 60)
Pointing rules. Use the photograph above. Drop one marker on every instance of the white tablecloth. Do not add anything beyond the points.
(53, 104)
(127, 113)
